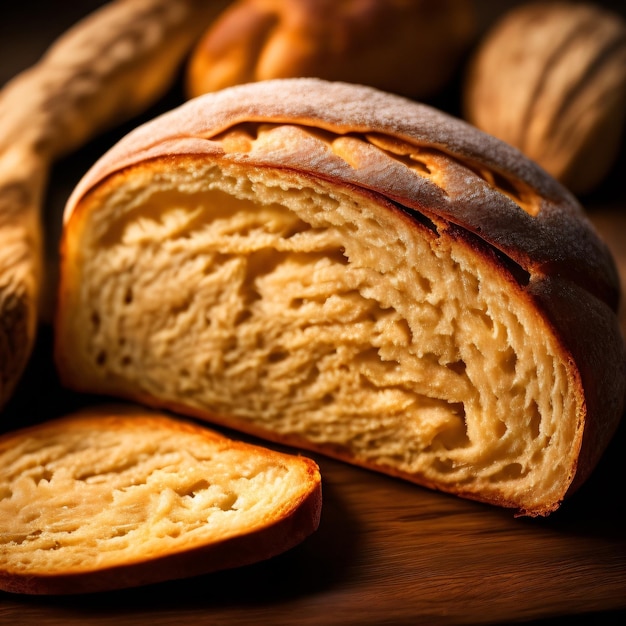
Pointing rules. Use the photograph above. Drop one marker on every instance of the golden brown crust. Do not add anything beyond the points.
(357, 41)
(282, 528)
(542, 228)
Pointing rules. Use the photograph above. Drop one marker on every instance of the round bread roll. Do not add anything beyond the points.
(550, 79)
(410, 47)
(344, 270)
(116, 497)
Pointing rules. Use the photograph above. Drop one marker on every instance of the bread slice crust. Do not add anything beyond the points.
(117, 496)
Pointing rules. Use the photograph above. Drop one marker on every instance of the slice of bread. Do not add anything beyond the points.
(348, 271)
(119, 497)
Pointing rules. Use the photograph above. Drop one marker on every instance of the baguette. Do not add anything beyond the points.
(341, 269)
(114, 497)
(109, 67)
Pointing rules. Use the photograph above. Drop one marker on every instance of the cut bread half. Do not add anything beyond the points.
(337, 268)
(114, 497)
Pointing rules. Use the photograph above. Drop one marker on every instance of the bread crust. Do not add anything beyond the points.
(484, 194)
(281, 530)
(557, 239)
(355, 41)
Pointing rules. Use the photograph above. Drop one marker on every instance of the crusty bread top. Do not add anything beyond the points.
(470, 179)
(116, 497)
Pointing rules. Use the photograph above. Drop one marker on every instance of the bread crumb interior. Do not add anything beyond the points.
(81, 499)
(293, 305)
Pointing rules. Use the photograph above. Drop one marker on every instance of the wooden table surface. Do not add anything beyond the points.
(386, 552)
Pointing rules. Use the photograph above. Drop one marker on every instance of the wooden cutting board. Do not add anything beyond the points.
(386, 552)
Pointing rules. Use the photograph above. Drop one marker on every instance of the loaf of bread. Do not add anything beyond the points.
(344, 270)
(550, 79)
(117, 497)
(410, 47)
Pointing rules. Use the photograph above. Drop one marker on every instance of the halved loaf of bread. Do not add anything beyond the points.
(336, 268)
(112, 498)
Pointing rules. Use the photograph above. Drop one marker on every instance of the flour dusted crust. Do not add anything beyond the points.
(118, 497)
(348, 271)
